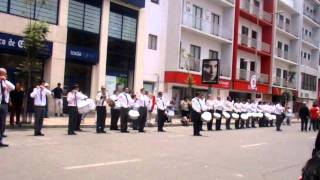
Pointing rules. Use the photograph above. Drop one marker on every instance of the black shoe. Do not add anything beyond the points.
(38, 134)
(142, 131)
(161, 130)
(3, 145)
(56, 114)
(125, 131)
(4, 136)
(279, 130)
(197, 135)
(61, 115)
(79, 130)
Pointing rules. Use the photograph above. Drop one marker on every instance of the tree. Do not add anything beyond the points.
(190, 80)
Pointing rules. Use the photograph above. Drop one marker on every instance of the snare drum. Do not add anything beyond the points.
(217, 115)
(273, 117)
(260, 115)
(244, 116)
(170, 113)
(268, 116)
(235, 115)
(226, 115)
(134, 114)
(206, 117)
(86, 106)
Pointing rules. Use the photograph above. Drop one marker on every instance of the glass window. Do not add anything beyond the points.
(4, 5)
(84, 16)
(213, 54)
(286, 47)
(278, 72)
(152, 44)
(195, 51)
(243, 64)
(115, 25)
(285, 74)
(279, 45)
(22, 8)
(122, 27)
(253, 66)
(129, 29)
(197, 17)
(245, 31)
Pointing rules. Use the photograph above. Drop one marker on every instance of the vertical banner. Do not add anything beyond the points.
(210, 71)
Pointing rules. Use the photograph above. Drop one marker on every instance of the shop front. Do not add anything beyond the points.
(243, 90)
(13, 58)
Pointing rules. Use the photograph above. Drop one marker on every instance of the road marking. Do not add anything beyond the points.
(102, 164)
(253, 145)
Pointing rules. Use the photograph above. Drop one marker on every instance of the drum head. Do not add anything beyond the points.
(206, 117)
(244, 116)
(217, 115)
(226, 115)
(134, 114)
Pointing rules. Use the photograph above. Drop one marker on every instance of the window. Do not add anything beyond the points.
(243, 64)
(215, 23)
(245, 31)
(122, 27)
(278, 72)
(305, 55)
(285, 74)
(279, 45)
(286, 47)
(155, 1)
(287, 21)
(33, 9)
(197, 17)
(152, 42)
(195, 51)
(309, 56)
(253, 66)
(309, 82)
(281, 18)
(213, 54)
(84, 16)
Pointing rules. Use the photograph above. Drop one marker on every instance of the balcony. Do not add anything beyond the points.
(256, 11)
(254, 43)
(245, 75)
(191, 64)
(287, 27)
(280, 53)
(231, 1)
(312, 16)
(311, 40)
(205, 26)
(282, 82)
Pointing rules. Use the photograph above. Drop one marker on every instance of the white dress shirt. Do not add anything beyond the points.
(116, 101)
(143, 100)
(278, 109)
(228, 106)
(100, 100)
(243, 107)
(210, 104)
(237, 107)
(8, 86)
(40, 96)
(161, 105)
(125, 100)
(218, 105)
(74, 97)
(198, 105)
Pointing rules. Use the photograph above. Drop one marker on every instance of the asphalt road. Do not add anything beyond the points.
(251, 154)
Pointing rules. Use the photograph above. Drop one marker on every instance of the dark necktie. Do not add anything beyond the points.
(41, 94)
(127, 99)
(3, 96)
(75, 99)
(200, 105)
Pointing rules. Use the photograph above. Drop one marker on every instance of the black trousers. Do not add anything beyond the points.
(15, 112)
(73, 118)
(237, 122)
(253, 122)
(161, 119)
(279, 121)
(78, 122)
(228, 121)
(218, 121)
(314, 124)
(304, 123)
(3, 115)
(209, 124)
(196, 118)
(242, 122)
(115, 114)
(142, 118)
(101, 118)
(39, 113)
(124, 118)
(248, 122)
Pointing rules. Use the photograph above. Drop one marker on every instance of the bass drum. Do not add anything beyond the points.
(206, 117)
(134, 114)
(217, 115)
(226, 115)
(86, 106)
(244, 116)
(235, 115)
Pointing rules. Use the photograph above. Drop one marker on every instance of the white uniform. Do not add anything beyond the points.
(237, 107)
(161, 105)
(40, 96)
(218, 105)
(74, 97)
(228, 106)
(210, 104)
(125, 100)
(7, 86)
(116, 101)
(101, 101)
(198, 105)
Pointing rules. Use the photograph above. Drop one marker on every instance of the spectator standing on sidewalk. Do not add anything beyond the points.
(16, 97)
(314, 111)
(46, 110)
(58, 102)
(304, 115)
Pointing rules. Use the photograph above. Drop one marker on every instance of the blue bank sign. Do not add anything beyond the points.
(14, 44)
(82, 54)
(138, 3)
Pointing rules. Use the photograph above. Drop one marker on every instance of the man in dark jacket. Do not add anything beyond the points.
(16, 97)
(304, 115)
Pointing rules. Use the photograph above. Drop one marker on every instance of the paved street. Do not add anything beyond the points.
(251, 154)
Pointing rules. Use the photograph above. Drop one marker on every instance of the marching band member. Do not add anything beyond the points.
(101, 100)
(218, 106)
(210, 105)
(254, 109)
(272, 109)
(237, 109)
(243, 110)
(260, 110)
(143, 101)
(161, 108)
(115, 105)
(279, 110)
(198, 106)
(5, 88)
(74, 117)
(125, 103)
(248, 110)
(228, 107)
(39, 94)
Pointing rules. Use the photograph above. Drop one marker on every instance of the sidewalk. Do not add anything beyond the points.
(90, 122)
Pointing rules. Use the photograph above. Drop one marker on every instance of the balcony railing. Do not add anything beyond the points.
(282, 82)
(254, 43)
(286, 27)
(205, 26)
(256, 11)
(246, 76)
(311, 40)
(191, 64)
(311, 15)
(231, 1)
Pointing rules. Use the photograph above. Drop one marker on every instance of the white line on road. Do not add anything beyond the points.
(101, 164)
(253, 145)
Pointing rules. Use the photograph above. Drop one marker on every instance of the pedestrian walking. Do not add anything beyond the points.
(58, 102)
(125, 102)
(304, 115)
(115, 106)
(5, 88)
(101, 100)
(39, 94)
(314, 114)
(73, 98)
(161, 107)
(16, 103)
